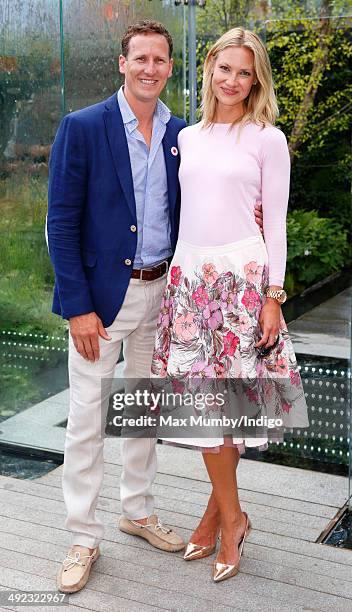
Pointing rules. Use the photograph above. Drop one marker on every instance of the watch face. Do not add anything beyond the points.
(283, 298)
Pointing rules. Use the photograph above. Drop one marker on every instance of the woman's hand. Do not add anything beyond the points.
(269, 321)
(258, 215)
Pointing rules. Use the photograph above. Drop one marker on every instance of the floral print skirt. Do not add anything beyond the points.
(207, 328)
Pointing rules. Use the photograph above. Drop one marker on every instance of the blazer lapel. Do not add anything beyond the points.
(172, 165)
(116, 136)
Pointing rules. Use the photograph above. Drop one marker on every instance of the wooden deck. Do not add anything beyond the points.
(282, 569)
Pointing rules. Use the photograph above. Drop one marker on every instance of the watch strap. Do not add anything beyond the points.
(277, 294)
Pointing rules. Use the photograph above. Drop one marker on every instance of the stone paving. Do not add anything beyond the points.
(326, 329)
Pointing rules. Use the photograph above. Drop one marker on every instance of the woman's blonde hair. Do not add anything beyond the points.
(260, 105)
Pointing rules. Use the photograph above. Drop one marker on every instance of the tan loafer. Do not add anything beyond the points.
(74, 571)
(154, 532)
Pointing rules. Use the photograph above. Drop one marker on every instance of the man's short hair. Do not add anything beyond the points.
(145, 26)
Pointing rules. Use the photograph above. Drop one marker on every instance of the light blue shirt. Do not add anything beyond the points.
(150, 185)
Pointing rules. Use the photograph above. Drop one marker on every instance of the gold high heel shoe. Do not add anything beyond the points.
(195, 551)
(222, 571)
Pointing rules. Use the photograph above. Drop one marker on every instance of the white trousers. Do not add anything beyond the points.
(134, 327)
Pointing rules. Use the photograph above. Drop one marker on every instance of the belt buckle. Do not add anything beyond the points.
(141, 273)
(155, 268)
(160, 267)
(166, 267)
(140, 270)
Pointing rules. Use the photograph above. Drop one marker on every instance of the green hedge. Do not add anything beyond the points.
(317, 247)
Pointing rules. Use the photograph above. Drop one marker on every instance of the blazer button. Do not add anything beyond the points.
(133, 228)
(128, 262)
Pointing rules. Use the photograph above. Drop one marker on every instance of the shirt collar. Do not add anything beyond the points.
(130, 120)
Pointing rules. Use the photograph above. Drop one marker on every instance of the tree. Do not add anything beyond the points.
(312, 75)
(319, 65)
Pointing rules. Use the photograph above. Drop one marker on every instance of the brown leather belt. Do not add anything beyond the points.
(152, 273)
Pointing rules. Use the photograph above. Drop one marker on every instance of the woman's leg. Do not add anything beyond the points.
(221, 468)
(208, 528)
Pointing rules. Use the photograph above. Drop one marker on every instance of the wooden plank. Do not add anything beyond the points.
(279, 570)
(313, 568)
(2, 588)
(295, 560)
(63, 608)
(309, 549)
(113, 472)
(164, 487)
(178, 484)
(312, 552)
(87, 599)
(251, 588)
(195, 503)
(262, 518)
(297, 574)
(196, 508)
(149, 596)
(177, 519)
(28, 502)
(252, 475)
(256, 476)
(38, 517)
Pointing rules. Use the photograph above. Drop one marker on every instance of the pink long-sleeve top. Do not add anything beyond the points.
(221, 180)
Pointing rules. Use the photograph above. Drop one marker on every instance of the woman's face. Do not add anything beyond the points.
(233, 76)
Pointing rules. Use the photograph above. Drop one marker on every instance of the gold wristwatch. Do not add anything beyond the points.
(278, 294)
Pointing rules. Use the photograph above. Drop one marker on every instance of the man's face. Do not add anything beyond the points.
(147, 66)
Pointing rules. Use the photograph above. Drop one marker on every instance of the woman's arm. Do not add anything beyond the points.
(275, 192)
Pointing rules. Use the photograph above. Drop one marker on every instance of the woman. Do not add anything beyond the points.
(225, 285)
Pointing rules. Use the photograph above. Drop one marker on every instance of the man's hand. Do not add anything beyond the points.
(258, 215)
(85, 331)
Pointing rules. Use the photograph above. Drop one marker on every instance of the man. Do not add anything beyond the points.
(112, 227)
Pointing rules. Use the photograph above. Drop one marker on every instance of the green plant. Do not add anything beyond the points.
(317, 247)
(310, 56)
(26, 275)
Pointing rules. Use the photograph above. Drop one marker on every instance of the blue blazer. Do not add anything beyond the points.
(91, 208)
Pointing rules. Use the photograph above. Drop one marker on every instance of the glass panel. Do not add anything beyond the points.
(55, 57)
(43, 75)
(350, 433)
(311, 73)
(92, 35)
(33, 341)
(311, 68)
